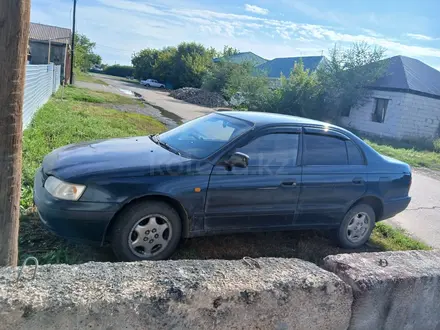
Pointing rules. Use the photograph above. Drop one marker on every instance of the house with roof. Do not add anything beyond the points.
(283, 66)
(278, 66)
(404, 104)
(50, 44)
(242, 58)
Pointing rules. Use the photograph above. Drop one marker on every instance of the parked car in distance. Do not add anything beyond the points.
(152, 83)
(226, 172)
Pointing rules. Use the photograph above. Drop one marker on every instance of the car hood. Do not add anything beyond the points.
(123, 155)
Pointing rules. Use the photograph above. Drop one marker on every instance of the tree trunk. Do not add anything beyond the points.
(14, 34)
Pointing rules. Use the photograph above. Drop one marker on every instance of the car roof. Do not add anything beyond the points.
(268, 118)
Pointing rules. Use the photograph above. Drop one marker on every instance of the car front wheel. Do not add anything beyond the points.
(146, 231)
(356, 227)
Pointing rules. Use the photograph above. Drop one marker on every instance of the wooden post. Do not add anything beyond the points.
(48, 55)
(14, 26)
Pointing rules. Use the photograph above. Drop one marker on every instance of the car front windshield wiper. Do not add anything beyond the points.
(155, 139)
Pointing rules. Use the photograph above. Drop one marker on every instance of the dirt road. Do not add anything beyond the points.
(158, 98)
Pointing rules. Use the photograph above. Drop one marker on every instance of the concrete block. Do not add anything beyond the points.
(214, 294)
(392, 290)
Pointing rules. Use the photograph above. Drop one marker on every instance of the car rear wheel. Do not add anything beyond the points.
(146, 231)
(356, 227)
(148, 85)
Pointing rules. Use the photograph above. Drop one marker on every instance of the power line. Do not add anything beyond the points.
(114, 48)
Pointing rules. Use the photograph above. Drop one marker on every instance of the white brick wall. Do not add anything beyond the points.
(407, 116)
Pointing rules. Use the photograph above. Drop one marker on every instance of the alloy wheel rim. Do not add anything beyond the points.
(358, 227)
(150, 235)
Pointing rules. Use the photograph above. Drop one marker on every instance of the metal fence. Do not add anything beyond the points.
(41, 82)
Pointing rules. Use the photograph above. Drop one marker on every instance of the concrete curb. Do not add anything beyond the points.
(392, 290)
(214, 294)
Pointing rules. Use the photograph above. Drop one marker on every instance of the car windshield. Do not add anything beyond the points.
(204, 136)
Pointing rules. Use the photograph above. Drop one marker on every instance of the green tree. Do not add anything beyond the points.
(84, 55)
(184, 65)
(228, 51)
(300, 93)
(144, 62)
(346, 75)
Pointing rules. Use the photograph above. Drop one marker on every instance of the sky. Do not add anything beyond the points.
(271, 29)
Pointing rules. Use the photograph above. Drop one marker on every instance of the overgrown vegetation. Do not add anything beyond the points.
(394, 239)
(181, 66)
(84, 55)
(412, 156)
(119, 70)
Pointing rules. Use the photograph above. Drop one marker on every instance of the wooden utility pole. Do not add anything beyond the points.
(72, 55)
(14, 35)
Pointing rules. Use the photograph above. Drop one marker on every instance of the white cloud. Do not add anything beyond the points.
(120, 27)
(420, 37)
(256, 9)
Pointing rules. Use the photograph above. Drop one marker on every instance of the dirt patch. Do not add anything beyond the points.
(308, 245)
(200, 97)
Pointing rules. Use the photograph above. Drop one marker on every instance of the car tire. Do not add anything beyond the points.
(147, 85)
(135, 232)
(356, 227)
(162, 87)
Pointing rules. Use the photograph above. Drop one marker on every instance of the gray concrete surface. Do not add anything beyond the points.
(403, 293)
(215, 294)
(422, 217)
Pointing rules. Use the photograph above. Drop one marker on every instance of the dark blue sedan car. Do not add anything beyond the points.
(225, 172)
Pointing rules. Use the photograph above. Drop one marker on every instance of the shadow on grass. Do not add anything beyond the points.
(312, 246)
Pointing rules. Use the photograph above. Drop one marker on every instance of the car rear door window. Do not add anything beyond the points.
(277, 149)
(355, 156)
(324, 150)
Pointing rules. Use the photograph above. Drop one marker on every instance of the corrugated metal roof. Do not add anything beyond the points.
(406, 73)
(45, 32)
(277, 66)
(243, 57)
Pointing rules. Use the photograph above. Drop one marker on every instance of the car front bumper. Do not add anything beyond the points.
(74, 220)
(395, 206)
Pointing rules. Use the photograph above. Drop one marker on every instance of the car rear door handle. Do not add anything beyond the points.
(358, 181)
(289, 183)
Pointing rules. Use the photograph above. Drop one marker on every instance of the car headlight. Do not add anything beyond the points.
(63, 190)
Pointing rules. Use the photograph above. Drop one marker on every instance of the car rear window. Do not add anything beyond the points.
(355, 156)
(324, 150)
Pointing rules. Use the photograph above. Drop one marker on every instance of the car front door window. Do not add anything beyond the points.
(272, 150)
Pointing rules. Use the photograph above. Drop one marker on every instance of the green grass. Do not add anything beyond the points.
(416, 158)
(87, 77)
(393, 239)
(71, 93)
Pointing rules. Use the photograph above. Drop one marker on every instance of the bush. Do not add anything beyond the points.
(437, 145)
(181, 66)
(119, 70)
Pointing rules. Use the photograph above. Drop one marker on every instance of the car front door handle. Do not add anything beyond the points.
(358, 181)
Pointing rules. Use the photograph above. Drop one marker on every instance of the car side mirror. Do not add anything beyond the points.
(238, 159)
